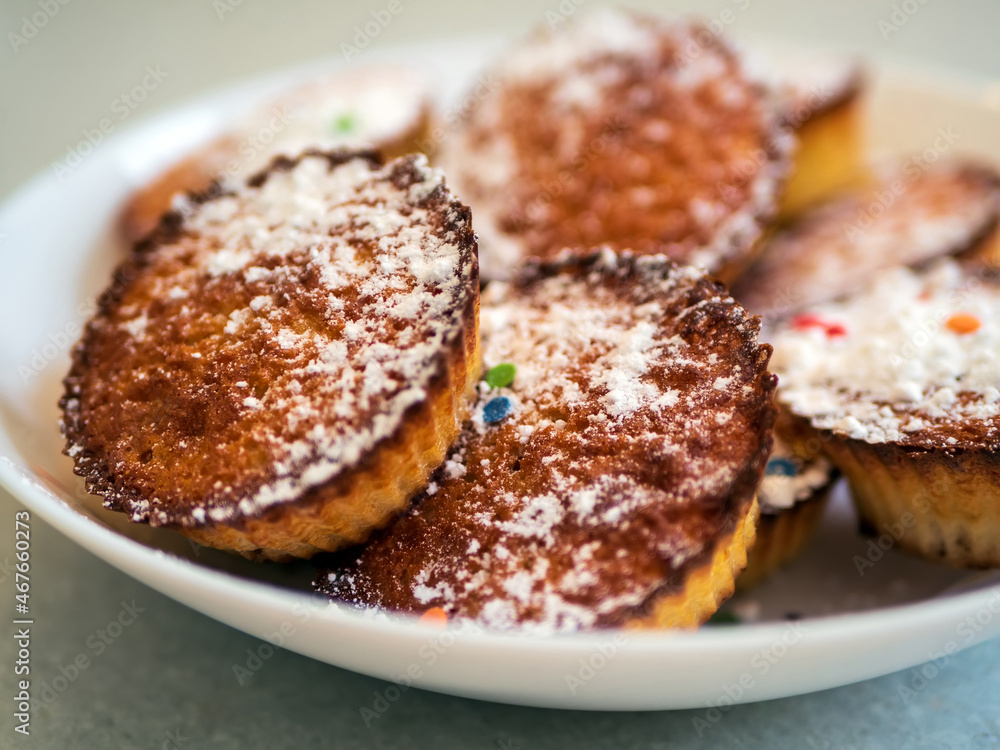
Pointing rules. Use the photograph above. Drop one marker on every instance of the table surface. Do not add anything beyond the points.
(167, 680)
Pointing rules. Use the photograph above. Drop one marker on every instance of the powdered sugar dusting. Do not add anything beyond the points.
(556, 516)
(596, 33)
(781, 491)
(624, 129)
(906, 218)
(315, 307)
(901, 372)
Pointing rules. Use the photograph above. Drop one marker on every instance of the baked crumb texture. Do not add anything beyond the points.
(899, 384)
(612, 483)
(626, 130)
(282, 365)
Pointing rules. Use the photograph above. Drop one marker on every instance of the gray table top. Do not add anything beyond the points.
(167, 679)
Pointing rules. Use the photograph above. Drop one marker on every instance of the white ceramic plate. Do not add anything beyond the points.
(55, 237)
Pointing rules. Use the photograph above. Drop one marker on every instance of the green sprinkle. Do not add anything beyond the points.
(724, 618)
(346, 123)
(501, 376)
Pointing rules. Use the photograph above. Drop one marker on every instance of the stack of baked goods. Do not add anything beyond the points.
(297, 358)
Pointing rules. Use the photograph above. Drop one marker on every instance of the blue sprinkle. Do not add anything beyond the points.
(780, 467)
(496, 409)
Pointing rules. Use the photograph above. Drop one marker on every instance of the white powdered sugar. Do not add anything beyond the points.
(914, 356)
(792, 480)
(551, 511)
(594, 34)
(630, 94)
(354, 292)
(906, 218)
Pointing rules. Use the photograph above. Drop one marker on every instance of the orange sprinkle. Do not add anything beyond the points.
(963, 323)
(435, 617)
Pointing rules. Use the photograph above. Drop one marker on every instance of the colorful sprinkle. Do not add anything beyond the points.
(501, 376)
(435, 617)
(496, 409)
(346, 123)
(780, 467)
(962, 323)
(807, 320)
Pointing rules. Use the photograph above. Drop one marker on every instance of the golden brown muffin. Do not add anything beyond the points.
(625, 130)
(281, 366)
(792, 497)
(386, 108)
(611, 482)
(899, 385)
(824, 104)
(907, 218)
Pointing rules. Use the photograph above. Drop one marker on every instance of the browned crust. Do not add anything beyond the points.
(194, 173)
(684, 598)
(735, 163)
(985, 249)
(346, 508)
(942, 505)
(345, 511)
(197, 172)
(815, 260)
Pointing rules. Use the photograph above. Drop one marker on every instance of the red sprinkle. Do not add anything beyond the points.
(808, 320)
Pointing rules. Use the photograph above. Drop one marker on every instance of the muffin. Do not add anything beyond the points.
(792, 497)
(824, 104)
(280, 366)
(899, 385)
(906, 218)
(607, 474)
(386, 108)
(626, 130)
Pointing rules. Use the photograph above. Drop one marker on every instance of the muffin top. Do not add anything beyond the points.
(907, 217)
(625, 130)
(263, 340)
(626, 446)
(913, 360)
